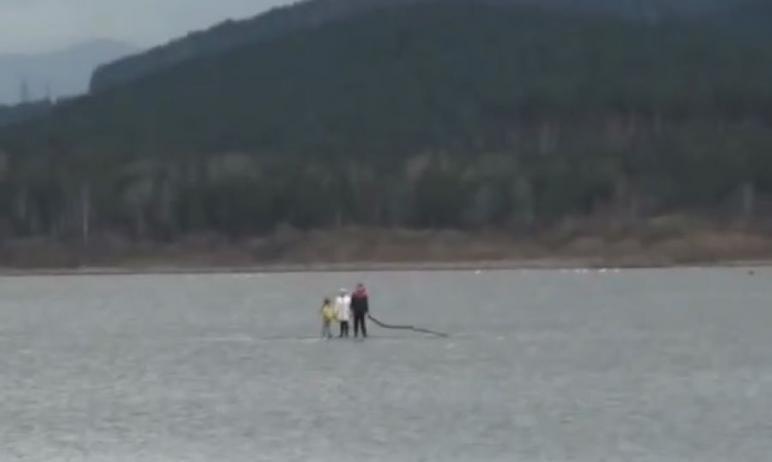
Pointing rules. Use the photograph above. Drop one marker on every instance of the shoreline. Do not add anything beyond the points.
(668, 242)
(374, 267)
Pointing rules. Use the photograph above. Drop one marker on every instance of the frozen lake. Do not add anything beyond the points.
(649, 365)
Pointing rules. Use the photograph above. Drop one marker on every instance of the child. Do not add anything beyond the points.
(343, 311)
(328, 316)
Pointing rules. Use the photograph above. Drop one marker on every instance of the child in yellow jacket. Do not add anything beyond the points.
(328, 316)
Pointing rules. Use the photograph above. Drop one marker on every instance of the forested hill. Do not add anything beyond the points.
(749, 19)
(312, 13)
(417, 77)
(441, 114)
(10, 115)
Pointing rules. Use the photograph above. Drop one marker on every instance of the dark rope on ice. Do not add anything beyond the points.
(412, 328)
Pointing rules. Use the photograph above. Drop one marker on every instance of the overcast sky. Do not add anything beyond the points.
(43, 25)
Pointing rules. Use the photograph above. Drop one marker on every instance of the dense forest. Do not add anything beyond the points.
(434, 115)
(13, 114)
(751, 15)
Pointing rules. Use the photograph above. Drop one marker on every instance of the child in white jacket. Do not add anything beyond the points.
(343, 311)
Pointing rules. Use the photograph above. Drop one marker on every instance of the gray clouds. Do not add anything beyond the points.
(36, 25)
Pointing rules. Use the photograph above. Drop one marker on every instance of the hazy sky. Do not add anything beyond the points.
(41, 25)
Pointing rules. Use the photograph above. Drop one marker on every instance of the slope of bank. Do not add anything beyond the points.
(668, 241)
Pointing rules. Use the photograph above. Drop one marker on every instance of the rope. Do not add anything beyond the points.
(412, 328)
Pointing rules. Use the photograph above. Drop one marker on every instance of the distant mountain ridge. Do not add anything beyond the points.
(57, 74)
(313, 13)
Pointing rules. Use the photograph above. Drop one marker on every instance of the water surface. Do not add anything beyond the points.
(649, 365)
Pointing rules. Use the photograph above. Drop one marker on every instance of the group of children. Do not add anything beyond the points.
(345, 308)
